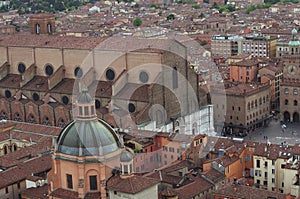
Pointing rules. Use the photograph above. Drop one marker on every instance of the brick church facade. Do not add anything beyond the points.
(40, 72)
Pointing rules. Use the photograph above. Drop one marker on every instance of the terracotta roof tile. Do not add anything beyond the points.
(36, 192)
(24, 169)
(214, 175)
(38, 83)
(131, 185)
(11, 81)
(64, 194)
(246, 192)
(47, 41)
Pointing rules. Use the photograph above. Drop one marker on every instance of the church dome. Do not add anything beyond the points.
(126, 156)
(88, 138)
(294, 31)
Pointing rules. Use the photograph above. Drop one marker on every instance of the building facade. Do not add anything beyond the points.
(224, 45)
(259, 46)
(290, 86)
(247, 107)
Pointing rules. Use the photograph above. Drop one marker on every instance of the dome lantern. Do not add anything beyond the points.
(85, 106)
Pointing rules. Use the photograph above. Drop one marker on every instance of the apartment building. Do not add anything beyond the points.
(259, 46)
(224, 45)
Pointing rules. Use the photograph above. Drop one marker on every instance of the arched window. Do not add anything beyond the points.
(248, 105)
(260, 101)
(97, 104)
(17, 117)
(37, 28)
(65, 100)
(49, 28)
(49, 70)
(93, 182)
(21, 68)
(144, 77)
(295, 91)
(110, 74)
(131, 107)
(14, 147)
(175, 77)
(61, 122)
(286, 91)
(159, 117)
(256, 103)
(3, 115)
(78, 72)
(7, 94)
(295, 103)
(35, 96)
(5, 148)
(31, 119)
(286, 102)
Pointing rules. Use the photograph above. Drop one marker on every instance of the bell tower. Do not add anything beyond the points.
(42, 23)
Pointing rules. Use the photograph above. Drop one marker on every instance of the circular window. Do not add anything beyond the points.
(110, 74)
(97, 104)
(65, 100)
(3, 113)
(21, 68)
(17, 115)
(49, 70)
(35, 96)
(46, 118)
(61, 120)
(7, 94)
(78, 72)
(144, 77)
(131, 107)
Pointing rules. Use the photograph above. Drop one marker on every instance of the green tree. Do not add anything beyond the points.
(171, 17)
(201, 15)
(137, 22)
(203, 42)
(153, 6)
(196, 6)
(250, 8)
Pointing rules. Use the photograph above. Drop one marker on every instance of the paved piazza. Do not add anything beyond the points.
(275, 133)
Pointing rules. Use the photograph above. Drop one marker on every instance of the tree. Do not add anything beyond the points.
(203, 42)
(171, 17)
(201, 15)
(196, 6)
(137, 22)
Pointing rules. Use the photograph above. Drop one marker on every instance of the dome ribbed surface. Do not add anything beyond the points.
(88, 138)
(126, 156)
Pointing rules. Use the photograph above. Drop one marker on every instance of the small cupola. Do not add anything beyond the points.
(126, 163)
(85, 106)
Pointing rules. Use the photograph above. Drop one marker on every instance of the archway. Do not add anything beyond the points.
(296, 117)
(286, 116)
